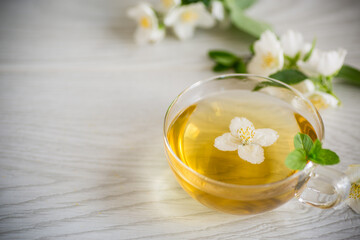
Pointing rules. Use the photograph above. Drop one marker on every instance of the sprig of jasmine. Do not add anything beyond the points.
(291, 60)
(307, 150)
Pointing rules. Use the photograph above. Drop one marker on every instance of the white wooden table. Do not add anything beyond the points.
(81, 111)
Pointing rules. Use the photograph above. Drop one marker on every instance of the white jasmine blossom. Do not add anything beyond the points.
(247, 140)
(148, 29)
(323, 63)
(166, 5)
(318, 98)
(186, 18)
(353, 173)
(292, 43)
(269, 56)
(217, 10)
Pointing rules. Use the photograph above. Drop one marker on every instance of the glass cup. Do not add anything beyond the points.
(318, 186)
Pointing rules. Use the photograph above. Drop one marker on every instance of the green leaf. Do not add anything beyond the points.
(239, 4)
(240, 66)
(326, 157)
(315, 149)
(349, 74)
(251, 48)
(289, 76)
(222, 57)
(246, 23)
(290, 62)
(303, 141)
(296, 159)
(220, 68)
(205, 2)
(266, 84)
(308, 54)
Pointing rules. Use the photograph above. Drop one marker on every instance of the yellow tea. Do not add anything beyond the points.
(193, 132)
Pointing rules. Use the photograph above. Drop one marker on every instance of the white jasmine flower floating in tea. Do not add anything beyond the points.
(186, 18)
(149, 29)
(247, 140)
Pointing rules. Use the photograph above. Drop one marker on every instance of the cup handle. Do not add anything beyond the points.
(326, 188)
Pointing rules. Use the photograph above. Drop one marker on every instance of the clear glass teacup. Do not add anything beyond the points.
(318, 186)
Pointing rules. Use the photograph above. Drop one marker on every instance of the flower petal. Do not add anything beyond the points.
(265, 137)
(354, 204)
(269, 56)
(291, 42)
(306, 86)
(305, 50)
(173, 15)
(217, 10)
(353, 173)
(238, 123)
(205, 19)
(157, 35)
(322, 100)
(331, 61)
(166, 5)
(323, 63)
(267, 42)
(226, 142)
(183, 31)
(310, 66)
(140, 10)
(252, 153)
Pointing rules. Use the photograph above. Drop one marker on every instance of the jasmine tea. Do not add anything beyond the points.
(193, 132)
(240, 138)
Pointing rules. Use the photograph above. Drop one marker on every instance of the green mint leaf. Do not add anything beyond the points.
(308, 54)
(315, 149)
(289, 76)
(223, 57)
(326, 157)
(246, 23)
(240, 66)
(220, 68)
(296, 159)
(349, 74)
(239, 4)
(303, 141)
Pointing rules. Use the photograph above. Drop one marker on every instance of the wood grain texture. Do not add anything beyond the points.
(81, 111)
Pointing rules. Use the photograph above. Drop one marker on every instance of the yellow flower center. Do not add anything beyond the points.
(167, 3)
(269, 60)
(145, 22)
(355, 191)
(246, 135)
(189, 16)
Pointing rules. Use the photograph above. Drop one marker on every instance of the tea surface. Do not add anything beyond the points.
(194, 130)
